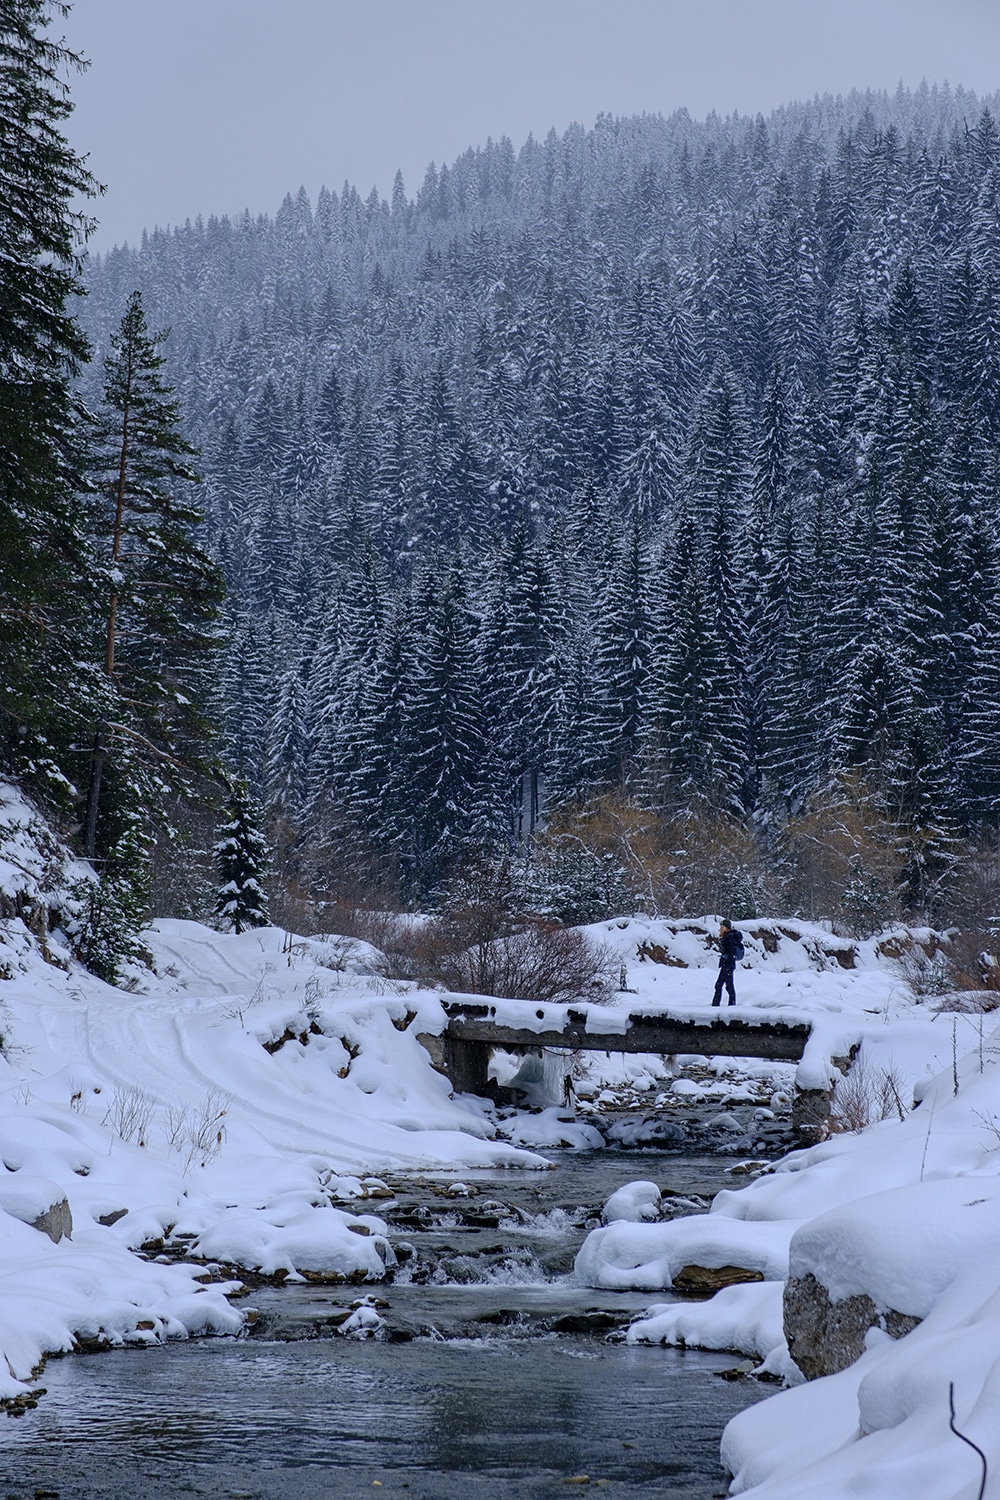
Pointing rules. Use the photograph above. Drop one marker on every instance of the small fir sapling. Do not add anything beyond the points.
(241, 858)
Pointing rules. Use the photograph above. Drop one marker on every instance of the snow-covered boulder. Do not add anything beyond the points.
(319, 1244)
(746, 1319)
(37, 1201)
(635, 1203)
(647, 1257)
(882, 1262)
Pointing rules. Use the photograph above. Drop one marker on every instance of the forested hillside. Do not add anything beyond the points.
(109, 610)
(643, 481)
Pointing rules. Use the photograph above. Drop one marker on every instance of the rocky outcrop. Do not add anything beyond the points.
(811, 1114)
(824, 1336)
(704, 1280)
(38, 1202)
(56, 1222)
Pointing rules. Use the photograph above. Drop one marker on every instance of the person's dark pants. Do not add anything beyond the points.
(725, 978)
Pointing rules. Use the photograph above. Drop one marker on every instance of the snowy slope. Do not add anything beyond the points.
(236, 1097)
(906, 1213)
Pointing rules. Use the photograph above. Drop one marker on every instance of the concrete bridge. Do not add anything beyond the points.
(475, 1026)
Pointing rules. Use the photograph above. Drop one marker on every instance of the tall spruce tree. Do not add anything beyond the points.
(450, 803)
(241, 859)
(164, 592)
(46, 559)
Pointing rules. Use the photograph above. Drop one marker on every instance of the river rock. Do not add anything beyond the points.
(811, 1114)
(651, 1130)
(295, 1324)
(56, 1222)
(704, 1280)
(37, 1201)
(824, 1336)
(635, 1203)
(588, 1320)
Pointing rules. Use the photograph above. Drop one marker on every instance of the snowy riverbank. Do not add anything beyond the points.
(876, 1252)
(236, 1102)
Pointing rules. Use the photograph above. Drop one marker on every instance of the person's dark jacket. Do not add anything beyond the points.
(727, 958)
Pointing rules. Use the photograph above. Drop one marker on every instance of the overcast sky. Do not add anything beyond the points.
(210, 106)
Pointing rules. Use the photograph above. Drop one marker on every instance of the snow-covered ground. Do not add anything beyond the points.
(235, 1100)
(905, 1213)
(242, 1095)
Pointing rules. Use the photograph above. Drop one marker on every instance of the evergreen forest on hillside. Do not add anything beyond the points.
(612, 525)
(632, 494)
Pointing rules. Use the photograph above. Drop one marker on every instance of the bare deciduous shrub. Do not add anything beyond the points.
(928, 975)
(700, 859)
(865, 1096)
(846, 860)
(541, 962)
(197, 1132)
(416, 950)
(973, 964)
(129, 1114)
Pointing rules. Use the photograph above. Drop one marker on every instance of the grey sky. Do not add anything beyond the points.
(210, 106)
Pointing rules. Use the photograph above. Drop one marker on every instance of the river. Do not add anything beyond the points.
(492, 1373)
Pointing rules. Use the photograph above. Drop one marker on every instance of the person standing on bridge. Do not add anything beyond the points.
(731, 945)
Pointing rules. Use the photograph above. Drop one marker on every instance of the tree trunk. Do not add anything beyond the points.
(99, 753)
(98, 756)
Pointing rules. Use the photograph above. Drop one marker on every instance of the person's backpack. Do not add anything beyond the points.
(738, 949)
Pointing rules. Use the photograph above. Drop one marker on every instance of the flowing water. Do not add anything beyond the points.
(492, 1374)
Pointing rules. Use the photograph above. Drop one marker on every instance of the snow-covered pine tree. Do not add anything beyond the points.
(623, 649)
(46, 558)
(164, 592)
(241, 858)
(452, 807)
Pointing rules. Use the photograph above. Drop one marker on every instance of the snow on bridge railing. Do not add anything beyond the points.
(822, 1044)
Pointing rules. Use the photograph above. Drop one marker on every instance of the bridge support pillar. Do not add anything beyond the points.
(811, 1115)
(467, 1064)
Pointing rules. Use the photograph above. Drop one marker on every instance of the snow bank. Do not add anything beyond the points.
(647, 1257)
(903, 1247)
(226, 1103)
(906, 1214)
(919, 1236)
(36, 868)
(91, 1290)
(745, 1319)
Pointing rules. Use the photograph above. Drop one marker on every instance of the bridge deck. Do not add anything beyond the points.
(721, 1035)
(474, 1028)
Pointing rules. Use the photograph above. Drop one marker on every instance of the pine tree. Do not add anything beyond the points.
(286, 770)
(164, 591)
(623, 648)
(46, 558)
(450, 804)
(520, 642)
(241, 858)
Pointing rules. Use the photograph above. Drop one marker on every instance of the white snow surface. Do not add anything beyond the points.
(635, 1203)
(906, 1212)
(745, 1318)
(159, 1109)
(239, 1094)
(913, 1220)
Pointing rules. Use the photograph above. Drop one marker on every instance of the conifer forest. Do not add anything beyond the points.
(619, 512)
